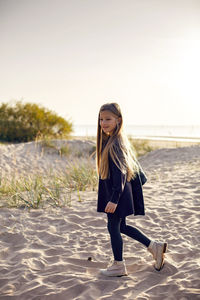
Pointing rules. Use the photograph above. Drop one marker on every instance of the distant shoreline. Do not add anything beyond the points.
(150, 132)
(156, 138)
(158, 142)
(155, 142)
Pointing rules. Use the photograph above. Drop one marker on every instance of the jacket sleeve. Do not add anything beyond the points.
(118, 180)
(142, 174)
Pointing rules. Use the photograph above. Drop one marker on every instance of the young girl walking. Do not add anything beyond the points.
(120, 189)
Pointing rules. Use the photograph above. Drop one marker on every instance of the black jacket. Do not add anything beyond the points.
(128, 195)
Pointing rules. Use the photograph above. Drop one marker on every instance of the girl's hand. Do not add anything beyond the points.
(110, 207)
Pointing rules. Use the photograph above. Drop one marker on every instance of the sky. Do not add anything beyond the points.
(72, 56)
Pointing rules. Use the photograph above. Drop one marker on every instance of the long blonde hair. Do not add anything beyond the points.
(117, 145)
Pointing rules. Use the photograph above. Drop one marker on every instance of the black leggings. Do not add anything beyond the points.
(116, 226)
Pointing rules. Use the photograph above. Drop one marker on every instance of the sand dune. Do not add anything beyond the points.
(44, 253)
(32, 157)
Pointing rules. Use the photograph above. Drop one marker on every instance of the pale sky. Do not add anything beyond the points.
(72, 56)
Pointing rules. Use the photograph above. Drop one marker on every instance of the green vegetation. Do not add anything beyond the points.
(53, 190)
(38, 191)
(140, 147)
(27, 122)
(50, 144)
(65, 149)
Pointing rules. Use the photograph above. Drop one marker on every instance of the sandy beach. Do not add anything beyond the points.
(44, 252)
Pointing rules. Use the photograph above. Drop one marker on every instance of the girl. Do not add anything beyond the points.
(120, 188)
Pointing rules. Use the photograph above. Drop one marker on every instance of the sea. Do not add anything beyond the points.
(155, 132)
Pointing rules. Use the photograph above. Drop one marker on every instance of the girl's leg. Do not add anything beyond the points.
(133, 233)
(116, 226)
(113, 226)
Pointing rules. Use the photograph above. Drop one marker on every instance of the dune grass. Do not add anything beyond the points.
(56, 190)
(49, 145)
(140, 147)
(38, 191)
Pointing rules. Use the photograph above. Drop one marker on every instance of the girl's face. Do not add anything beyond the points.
(108, 121)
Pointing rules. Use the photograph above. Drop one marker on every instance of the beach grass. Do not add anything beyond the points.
(48, 144)
(39, 190)
(140, 147)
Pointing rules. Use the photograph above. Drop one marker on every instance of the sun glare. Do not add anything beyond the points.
(189, 66)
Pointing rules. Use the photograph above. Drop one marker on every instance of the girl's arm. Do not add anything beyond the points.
(118, 180)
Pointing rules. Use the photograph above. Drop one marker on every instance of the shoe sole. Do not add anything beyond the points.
(162, 263)
(122, 275)
(113, 275)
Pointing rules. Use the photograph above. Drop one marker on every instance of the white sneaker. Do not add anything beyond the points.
(118, 268)
(158, 249)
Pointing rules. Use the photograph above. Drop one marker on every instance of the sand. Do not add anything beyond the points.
(44, 253)
(30, 158)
